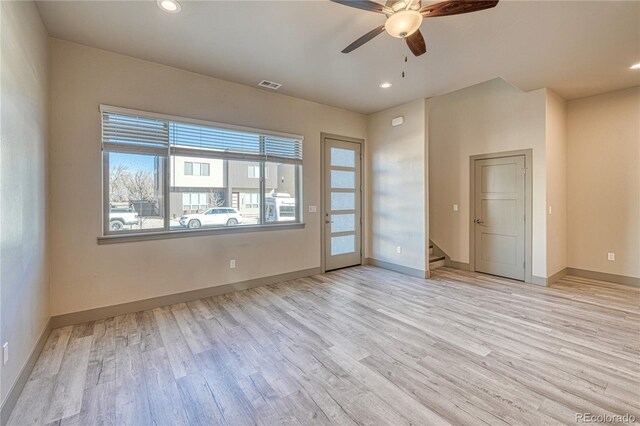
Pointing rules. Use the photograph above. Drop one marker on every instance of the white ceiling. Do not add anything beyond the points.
(577, 48)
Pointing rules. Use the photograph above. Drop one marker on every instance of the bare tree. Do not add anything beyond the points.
(127, 186)
(117, 189)
(139, 185)
(217, 199)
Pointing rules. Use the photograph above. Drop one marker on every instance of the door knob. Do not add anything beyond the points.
(478, 221)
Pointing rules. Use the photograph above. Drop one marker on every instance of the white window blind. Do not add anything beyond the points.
(131, 130)
(185, 136)
(288, 150)
(190, 139)
(134, 133)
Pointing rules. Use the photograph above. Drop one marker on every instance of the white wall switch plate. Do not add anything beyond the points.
(398, 249)
(232, 263)
(455, 207)
(5, 353)
(549, 209)
(611, 256)
(312, 209)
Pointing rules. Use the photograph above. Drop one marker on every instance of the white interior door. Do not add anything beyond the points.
(342, 204)
(499, 225)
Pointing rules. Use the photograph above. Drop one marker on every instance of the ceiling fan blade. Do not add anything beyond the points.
(456, 7)
(365, 5)
(365, 38)
(416, 43)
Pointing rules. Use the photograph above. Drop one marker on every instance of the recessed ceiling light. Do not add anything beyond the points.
(385, 85)
(635, 66)
(171, 6)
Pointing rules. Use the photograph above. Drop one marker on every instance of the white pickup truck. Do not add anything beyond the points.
(119, 217)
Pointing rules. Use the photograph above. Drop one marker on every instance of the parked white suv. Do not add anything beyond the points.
(118, 218)
(217, 216)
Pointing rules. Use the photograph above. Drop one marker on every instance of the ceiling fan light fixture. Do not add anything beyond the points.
(403, 23)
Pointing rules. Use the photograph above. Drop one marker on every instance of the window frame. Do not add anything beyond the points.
(108, 236)
(106, 208)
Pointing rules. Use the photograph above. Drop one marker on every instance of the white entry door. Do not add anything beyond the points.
(342, 204)
(499, 225)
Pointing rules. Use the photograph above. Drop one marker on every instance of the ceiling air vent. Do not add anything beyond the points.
(269, 85)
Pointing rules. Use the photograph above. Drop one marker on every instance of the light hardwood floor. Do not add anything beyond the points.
(356, 346)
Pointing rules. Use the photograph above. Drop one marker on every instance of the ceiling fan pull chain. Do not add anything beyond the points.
(404, 53)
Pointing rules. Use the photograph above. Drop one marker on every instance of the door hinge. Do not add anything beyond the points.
(524, 265)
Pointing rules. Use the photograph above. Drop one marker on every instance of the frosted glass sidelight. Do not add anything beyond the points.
(343, 223)
(343, 201)
(343, 245)
(343, 180)
(343, 157)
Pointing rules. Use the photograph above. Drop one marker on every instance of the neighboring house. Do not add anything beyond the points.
(244, 186)
(201, 183)
(197, 184)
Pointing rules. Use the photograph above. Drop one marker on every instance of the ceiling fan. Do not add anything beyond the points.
(404, 18)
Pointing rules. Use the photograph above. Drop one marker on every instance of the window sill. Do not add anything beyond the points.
(165, 235)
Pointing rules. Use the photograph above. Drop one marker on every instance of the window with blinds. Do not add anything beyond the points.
(153, 163)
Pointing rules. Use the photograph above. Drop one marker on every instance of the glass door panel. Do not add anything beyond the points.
(342, 204)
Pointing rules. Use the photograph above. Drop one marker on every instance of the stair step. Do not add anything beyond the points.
(436, 262)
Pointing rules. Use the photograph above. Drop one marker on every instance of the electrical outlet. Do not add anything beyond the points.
(312, 209)
(5, 353)
(611, 256)
(455, 207)
(398, 249)
(549, 209)
(232, 263)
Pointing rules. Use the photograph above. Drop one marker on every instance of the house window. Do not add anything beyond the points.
(196, 169)
(254, 172)
(251, 201)
(194, 201)
(143, 175)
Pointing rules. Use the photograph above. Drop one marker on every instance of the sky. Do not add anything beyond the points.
(133, 162)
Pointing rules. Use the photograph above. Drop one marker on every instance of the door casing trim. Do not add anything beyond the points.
(323, 137)
(528, 206)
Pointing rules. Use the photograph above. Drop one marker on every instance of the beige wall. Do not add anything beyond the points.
(85, 275)
(556, 156)
(486, 118)
(24, 286)
(397, 186)
(603, 182)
